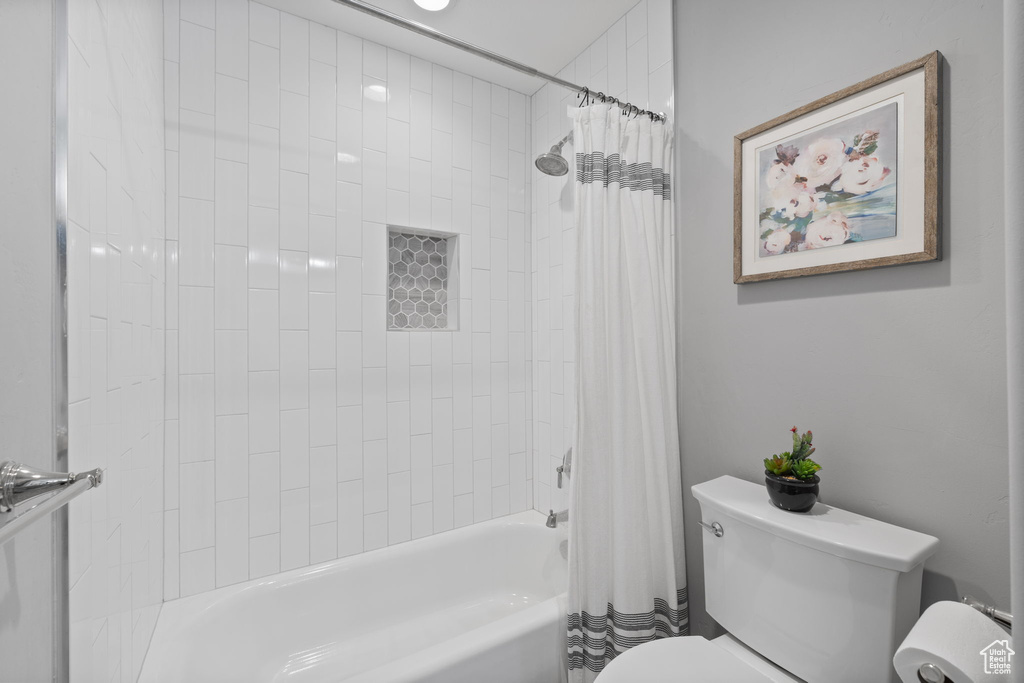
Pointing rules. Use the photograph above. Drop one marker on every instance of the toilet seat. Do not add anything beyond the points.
(680, 660)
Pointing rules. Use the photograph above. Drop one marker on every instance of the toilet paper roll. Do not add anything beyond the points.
(965, 644)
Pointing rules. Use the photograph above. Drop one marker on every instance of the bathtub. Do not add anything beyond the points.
(481, 603)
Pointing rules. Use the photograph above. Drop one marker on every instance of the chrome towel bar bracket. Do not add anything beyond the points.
(21, 483)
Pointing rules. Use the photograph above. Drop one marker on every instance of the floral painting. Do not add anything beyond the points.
(830, 186)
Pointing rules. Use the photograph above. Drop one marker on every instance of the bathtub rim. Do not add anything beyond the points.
(176, 614)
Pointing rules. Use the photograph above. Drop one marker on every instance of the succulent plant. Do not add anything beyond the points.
(805, 469)
(796, 463)
(778, 464)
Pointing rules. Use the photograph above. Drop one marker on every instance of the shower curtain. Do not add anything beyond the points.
(627, 580)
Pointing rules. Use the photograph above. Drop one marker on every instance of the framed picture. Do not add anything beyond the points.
(848, 182)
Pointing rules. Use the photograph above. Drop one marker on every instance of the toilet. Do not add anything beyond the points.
(822, 597)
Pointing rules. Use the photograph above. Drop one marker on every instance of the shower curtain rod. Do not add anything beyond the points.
(434, 34)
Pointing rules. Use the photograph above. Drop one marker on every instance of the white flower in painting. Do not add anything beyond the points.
(821, 161)
(828, 231)
(801, 203)
(779, 174)
(777, 242)
(861, 175)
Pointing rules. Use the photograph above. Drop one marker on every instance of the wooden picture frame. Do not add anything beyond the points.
(856, 171)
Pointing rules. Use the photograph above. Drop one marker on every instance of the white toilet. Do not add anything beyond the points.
(822, 597)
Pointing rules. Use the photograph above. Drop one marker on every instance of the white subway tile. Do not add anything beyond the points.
(617, 59)
(350, 443)
(462, 144)
(375, 417)
(322, 177)
(463, 510)
(323, 539)
(398, 85)
(197, 572)
(481, 490)
(294, 290)
(481, 426)
(420, 184)
(323, 415)
(374, 261)
(231, 377)
(420, 399)
(350, 146)
(231, 203)
(375, 476)
(442, 444)
(350, 368)
(264, 85)
(196, 325)
(264, 24)
(264, 166)
(420, 124)
(264, 552)
(637, 73)
(462, 89)
(375, 531)
(322, 342)
(322, 45)
(350, 518)
(375, 60)
(172, 558)
(232, 551)
(462, 392)
(263, 248)
(636, 23)
(198, 65)
(499, 145)
(195, 246)
(294, 528)
(422, 520)
(294, 371)
(443, 497)
(265, 492)
(481, 173)
(294, 54)
(323, 486)
(481, 111)
(264, 406)
(499, 208)
(294, 232)
(398, 436)
(374, 199)
(349, 293)
(374, 114)
(323, 100)
(233, 38)
(264, 343)
(398, 155)
(441, 165)
(196, 156)
(232, 466)
(196, 494)
(399, 513)
(231, 117)
(294, 132)
(350, 79)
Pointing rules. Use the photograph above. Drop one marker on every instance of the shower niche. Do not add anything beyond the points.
(423, 276)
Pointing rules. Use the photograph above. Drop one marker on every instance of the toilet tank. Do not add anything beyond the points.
(827, 595)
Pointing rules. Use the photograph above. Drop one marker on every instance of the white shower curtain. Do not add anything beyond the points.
(627, 578)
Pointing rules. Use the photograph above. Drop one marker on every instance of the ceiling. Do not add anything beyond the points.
(543, 34)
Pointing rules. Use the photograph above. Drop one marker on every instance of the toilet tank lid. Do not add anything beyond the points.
(825, 528)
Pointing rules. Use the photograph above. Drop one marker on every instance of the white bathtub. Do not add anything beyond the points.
(481, 603)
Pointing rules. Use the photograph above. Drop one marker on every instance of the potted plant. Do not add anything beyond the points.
(791, 477)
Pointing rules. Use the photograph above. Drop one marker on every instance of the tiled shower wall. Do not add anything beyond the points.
(115, 239)
(631, 61)
(299, 429)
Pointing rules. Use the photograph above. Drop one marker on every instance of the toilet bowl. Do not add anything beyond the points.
(690, 659)
(825, 596)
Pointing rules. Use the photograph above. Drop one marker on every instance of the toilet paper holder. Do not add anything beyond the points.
(997, 615)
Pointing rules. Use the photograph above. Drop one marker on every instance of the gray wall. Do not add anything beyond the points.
(900, 372)
(26, 315)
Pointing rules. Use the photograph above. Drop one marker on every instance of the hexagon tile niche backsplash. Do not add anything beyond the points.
(417, 282)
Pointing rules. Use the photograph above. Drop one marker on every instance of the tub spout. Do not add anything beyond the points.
(555, 517)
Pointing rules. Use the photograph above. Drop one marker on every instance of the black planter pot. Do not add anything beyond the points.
(794, 495)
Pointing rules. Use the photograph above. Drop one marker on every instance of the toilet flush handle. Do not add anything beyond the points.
(714, 528)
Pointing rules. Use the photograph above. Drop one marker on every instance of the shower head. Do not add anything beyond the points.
(552, 162)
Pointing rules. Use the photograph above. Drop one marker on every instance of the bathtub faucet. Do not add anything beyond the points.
(555, 517)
